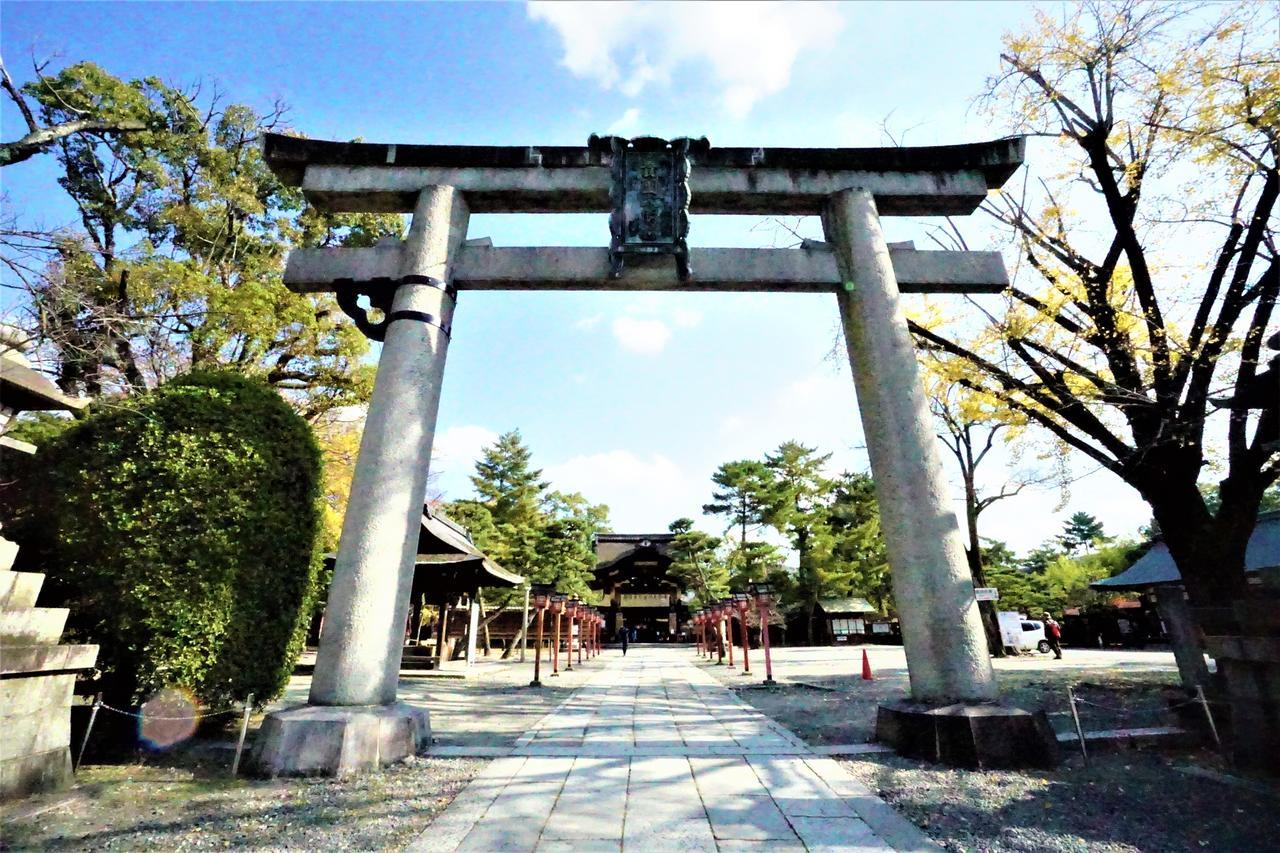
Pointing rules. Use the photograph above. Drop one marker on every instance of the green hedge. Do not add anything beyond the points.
(181, 527)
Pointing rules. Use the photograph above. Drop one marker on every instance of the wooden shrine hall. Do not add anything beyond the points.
(448, 573)
(450, 568)
(633, 575)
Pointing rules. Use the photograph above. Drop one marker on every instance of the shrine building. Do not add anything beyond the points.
(633, 574)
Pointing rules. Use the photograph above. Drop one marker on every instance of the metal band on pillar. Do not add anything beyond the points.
(380, 293)
(421, 317)
(430, 281)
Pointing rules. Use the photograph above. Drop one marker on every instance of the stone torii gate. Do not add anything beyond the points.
(352, 721)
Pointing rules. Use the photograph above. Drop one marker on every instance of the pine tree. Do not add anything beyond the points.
(746, 492)
(1081, 532)
(695, 562)
(547, 537)
(799, 511)
(750, 562)
(859, 547)
(505, 482)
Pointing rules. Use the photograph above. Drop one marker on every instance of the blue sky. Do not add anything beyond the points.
(632, 399)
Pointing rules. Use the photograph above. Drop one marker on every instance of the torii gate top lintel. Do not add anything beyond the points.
(369, 177)
(349, 177)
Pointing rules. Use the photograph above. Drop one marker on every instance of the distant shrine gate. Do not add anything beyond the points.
(649, 186)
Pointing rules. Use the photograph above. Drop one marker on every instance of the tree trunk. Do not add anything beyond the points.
(987, 609)
(1208, 551)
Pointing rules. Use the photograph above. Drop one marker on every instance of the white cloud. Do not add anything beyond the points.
(457, 448)
(627, 123)
(750, 48)
(647, 337)
(588, 323)
(686, 318)
(631, 485)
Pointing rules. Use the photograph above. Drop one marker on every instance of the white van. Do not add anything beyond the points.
(1022, 634)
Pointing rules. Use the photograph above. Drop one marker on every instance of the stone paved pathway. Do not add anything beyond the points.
(653, 754)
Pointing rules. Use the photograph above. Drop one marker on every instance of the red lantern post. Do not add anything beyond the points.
(742, 603)
(541, 600)
(708, 633)
(726, 617)
(764, 600)
(557, 607)
(570, 611)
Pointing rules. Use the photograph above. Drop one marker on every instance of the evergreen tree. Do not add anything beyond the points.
(1081, 532)
(859, 547)
(566, 545)
(1040, 557)
(746, 491)
(799, 511)
(505, 482)
(749, 562)
(696, 563)
(547, 537)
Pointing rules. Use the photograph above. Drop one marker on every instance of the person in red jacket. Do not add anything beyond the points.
(1053, 633)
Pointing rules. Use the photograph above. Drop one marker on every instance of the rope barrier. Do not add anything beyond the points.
(246, 709)
(144, 716)
(1199, 699)
(1120, 709)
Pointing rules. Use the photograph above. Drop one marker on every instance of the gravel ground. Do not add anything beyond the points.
(1127, 801)
(149, 807)
(1135, 800)
(822, 698)
(184, 800)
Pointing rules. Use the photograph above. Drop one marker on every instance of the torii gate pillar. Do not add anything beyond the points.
(941, 631)
(352, 721)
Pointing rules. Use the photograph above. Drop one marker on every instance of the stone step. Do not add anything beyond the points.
(19, 589)
(17, 661)
(31, 626)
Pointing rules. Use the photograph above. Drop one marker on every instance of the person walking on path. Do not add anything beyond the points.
(1053, 633)
(622, 635)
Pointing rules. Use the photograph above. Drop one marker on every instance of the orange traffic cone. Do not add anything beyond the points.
(866, 667)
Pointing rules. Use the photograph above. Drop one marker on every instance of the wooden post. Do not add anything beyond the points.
(93, 715)
(764, 641)
(244, 730)
(555, 646)
(568, 645)
(537, 654)
(1204, 703)
(524, 626)
(1075, 717)
(473, 624)
(442, 631)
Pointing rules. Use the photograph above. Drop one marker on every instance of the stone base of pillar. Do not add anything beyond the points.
(338, 740)
(982, 736)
